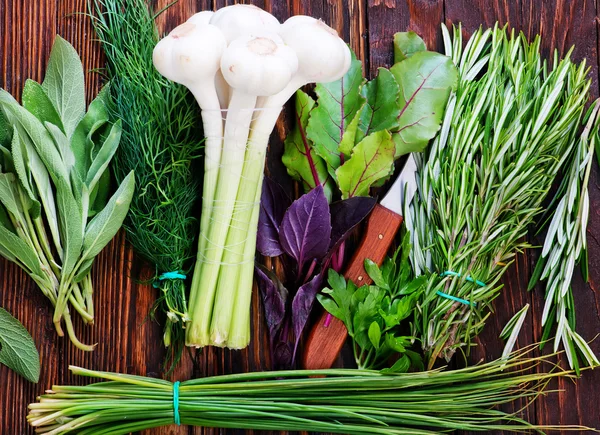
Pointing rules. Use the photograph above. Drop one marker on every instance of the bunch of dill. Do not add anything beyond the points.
(161, 143)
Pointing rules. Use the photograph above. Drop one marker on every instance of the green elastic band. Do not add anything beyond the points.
(454, 298)
(176, 404)
(169, 275)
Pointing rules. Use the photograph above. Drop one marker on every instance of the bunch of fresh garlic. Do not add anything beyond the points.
(242, 66)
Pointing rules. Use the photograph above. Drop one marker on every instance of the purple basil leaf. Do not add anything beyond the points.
(302, 305)
(346, 215)
(274, 297)
(282, 356)
(273, 204)
(305, 231)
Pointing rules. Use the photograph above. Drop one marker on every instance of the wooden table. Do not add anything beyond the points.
(129, 343)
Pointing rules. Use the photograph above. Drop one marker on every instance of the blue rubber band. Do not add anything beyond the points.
(176, 417)
(168, 275)
(457, 299)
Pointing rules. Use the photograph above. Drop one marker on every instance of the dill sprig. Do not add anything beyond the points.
(510, 131)
(160, 142)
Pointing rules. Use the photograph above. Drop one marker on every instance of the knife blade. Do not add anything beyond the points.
(328, 335)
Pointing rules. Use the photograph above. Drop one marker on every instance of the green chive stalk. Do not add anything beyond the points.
(510, 131)
(161, 141)
(337, 400)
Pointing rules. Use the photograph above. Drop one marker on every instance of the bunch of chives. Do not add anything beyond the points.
(337, 400)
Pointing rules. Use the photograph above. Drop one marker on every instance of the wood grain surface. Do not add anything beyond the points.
(127, 342)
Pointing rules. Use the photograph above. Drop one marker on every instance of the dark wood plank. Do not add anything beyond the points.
(386, 17)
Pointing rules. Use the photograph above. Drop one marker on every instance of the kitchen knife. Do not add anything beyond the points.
(328, 335)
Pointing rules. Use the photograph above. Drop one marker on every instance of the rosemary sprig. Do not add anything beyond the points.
(509, 130)
(160, 142)
(565, 246)
(338, 400)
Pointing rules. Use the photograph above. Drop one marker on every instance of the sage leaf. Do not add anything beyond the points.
(34, 134)
(5, 129)
(5, 220)
(37, 102)
(9, 196)
(81, 143)
(64, 84)
(84, 269)
(62, 144)
(337, 104)
(425, 81)
(372, 160)
(299, 157)
(105, 154)
(16, 250)
(103, 227)
(17, 349)
(406, 44)
(99, 196)
(21, 164)
(71, 226)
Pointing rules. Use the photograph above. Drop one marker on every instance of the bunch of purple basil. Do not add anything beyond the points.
(307, 236)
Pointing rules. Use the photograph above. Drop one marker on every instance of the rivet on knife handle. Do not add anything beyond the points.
(326, 339)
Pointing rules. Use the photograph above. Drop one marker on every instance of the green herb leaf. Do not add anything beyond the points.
(375, 274)
(95, 118)
(37, 102)
(425, 80)
(21, 163)
(400, 366)
(375, 334)
(406, 44)
(302, 162)
(104, 156)
(372, 160)
(5, 129)
(64, 84)
(351, 133)
(103, 227)
(35, 135)
(383, 108)
(99, 196)
(62, 144)
(17, 349)
(16, 250)
(70, 224)
(337, 104)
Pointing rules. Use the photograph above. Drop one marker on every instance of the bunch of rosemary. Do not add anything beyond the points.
(338, 400)
(160, 142)
(510, 129)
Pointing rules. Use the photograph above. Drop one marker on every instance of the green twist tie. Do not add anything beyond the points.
(457, 299)
(168, 275)
(176, 417)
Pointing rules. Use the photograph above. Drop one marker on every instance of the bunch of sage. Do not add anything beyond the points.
(512, 127)
(55, 213)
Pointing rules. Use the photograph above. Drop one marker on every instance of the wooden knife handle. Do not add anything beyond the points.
(325, 341)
